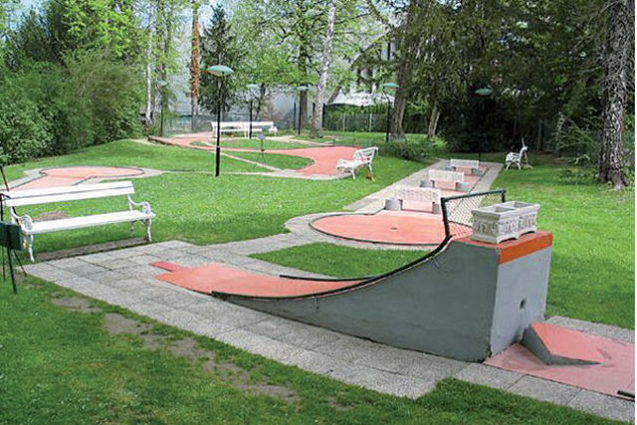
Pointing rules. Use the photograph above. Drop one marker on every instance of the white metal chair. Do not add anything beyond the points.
(516, 157)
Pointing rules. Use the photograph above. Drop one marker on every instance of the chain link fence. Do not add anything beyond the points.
(457, 210)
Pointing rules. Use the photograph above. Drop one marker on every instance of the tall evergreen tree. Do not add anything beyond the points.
(218, 47)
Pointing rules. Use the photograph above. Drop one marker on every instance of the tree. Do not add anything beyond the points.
(317, 118)
(616, 64)
(195, 75)
(219, 47)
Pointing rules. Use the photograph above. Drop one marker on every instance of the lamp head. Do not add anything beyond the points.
(303, 88)
(484, 91)
(162, 83)
(219, 70)
(390, 86)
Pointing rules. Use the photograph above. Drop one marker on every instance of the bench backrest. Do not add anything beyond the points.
(239, 125)
(262, 124)
(366, 155)
(19, 198)
(465, 163)
(422, 194)
(444, 175)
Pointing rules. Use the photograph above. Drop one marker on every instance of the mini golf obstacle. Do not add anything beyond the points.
(467, 299)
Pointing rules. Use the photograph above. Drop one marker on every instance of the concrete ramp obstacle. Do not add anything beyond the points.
(466, 300)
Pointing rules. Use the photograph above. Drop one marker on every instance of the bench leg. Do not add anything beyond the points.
(30, 247)
(149, 223)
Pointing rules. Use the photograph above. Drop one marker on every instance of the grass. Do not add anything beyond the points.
(275, 160)
(253, 144)
(63, 367)
(340, 261)
(199, 208)
(593, 263)
(126, 153)
(592, 270)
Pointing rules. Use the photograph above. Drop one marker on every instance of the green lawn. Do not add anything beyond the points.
(593, 268)
(126, 153)
(198, 207)
(65, 367)
(275, 160)
(593, 264)
(340, 261)
(253, 144)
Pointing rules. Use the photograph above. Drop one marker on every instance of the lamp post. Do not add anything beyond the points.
(251, 89)
(482, 93)
(219, 71)
(388, 87)
(161, 84)
(301, 89)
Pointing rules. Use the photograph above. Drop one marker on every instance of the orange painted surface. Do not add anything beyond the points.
(388, 227)
(324, 158)
(223, 279)
(567, 343)
(517, 248)
(617, 372)
(68, 176)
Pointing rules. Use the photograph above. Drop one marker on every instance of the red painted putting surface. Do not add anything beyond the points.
(616, 372)
(389, 228)
(68, 176)
(223, 279)
(324, 158)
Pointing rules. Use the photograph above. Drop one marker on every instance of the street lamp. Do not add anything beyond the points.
(482, 93)
(251, 90)
(161, 84)
(301, 89)
(219, 71)
(389, 87)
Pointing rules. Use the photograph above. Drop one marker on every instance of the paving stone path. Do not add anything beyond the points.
(125, 278)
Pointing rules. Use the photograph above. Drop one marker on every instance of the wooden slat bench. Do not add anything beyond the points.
(361, 158)
(21, 198)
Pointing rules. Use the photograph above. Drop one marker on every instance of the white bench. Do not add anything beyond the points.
(428, 195)
(465, 164)
(243, 127)
(263, 126)
(361, 158)
(21, 198)
(447, 179)
(516, 158)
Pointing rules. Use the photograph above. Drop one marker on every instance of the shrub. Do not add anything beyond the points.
(412, 150)
(24, 130)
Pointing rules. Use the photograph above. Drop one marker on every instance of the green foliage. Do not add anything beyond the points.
(89, 99)
(413, 150)
(219, 47)
(24, 131)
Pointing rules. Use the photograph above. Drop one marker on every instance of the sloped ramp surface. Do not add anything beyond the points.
(221, 279)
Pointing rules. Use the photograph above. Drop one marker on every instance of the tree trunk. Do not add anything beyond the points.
(148, 113)
(611, 160)
(404, 75)
(433, 121)
(317, 118)
(194, 67)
